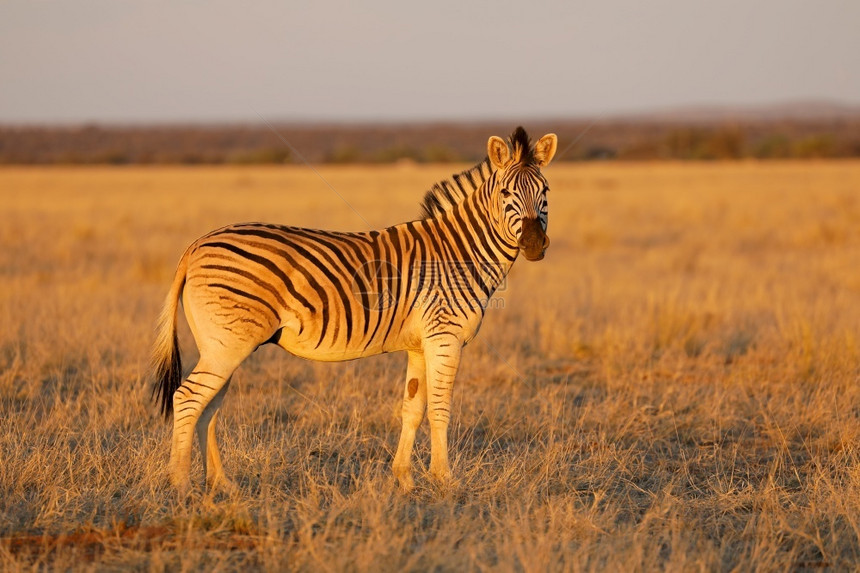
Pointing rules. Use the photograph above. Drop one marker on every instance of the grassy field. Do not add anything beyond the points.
(676, 386)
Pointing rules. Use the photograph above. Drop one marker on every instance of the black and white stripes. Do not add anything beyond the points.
(421, 286)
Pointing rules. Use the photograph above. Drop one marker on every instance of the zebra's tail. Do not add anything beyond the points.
(166, 361)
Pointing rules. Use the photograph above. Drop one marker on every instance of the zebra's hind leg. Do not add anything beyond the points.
(414, 405)
(213, 471)
(206, 383)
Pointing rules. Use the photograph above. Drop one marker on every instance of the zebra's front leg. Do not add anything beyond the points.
(414, 404)
(442, 354)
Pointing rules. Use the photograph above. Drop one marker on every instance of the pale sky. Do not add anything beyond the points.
(117, 60)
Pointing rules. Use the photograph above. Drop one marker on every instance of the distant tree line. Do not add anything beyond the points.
(423, 143)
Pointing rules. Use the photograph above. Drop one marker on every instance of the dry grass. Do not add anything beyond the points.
(675, 386)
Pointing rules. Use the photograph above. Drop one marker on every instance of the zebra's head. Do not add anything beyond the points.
(518, 196)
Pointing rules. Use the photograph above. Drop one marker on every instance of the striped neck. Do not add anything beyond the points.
(475, 239)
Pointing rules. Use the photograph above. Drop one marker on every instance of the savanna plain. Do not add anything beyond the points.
(675, 386)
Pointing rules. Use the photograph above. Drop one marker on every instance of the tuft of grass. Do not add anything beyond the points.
(674, 387)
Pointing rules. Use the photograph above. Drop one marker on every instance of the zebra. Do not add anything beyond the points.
(420, 287)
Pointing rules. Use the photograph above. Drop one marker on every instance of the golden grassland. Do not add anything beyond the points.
(675, 386)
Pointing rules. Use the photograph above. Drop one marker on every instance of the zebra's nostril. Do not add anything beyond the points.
(545, 242)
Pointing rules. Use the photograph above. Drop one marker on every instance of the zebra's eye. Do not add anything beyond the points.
(505, 194)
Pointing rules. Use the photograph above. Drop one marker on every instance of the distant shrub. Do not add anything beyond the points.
(190, 158)
(599, 153)
(686, 143)
(815, 147)
(851, 148)
(590, 153)
(266, 155)
(725, 143)
(67, 158)
(440, 154)
(699, 143)
(396, 153)
(344, 154)
(775, 146)
(114, 157)
(642, 151)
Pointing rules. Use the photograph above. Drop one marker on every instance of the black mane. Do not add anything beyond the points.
(521, 147)
(446, 194)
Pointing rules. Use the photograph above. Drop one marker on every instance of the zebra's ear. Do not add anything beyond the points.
(545, 149)
(498, 152)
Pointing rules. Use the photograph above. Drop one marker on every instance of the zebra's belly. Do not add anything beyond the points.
(326, 351)
(327, 354)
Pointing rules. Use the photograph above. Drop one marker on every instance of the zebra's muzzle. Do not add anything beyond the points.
(533, 241)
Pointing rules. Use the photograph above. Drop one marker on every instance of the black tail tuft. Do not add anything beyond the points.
(168, 377)
(166, 360)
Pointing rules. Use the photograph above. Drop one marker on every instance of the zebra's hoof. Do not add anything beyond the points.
(406, 483)
(442, 475)
(182, 488)
(404, 479)
(222, 484)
